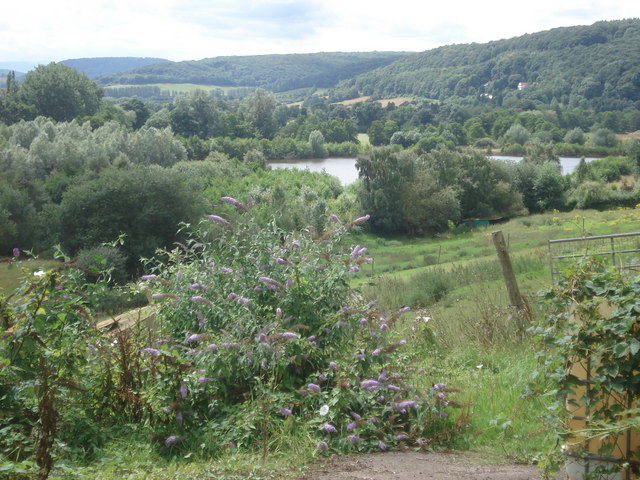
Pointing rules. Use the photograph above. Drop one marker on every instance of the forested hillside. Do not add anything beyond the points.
(272, 72)
(595, 66)
(95, 67)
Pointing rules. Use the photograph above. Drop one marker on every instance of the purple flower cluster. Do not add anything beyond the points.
(271, 283)
(218, 219)
(198, 298)
(370, 385)
(234, 202)
(328, 428)
(285, 412)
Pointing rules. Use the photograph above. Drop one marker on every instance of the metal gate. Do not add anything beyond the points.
(621, 250)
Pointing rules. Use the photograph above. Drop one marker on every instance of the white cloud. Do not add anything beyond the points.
(45, 31)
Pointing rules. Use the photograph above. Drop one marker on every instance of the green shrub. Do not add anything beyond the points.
(260, 329)
(103, 259)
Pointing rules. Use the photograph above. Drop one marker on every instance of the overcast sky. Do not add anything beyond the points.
(42, 31)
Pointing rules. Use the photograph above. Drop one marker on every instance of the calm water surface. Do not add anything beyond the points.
(345, 168)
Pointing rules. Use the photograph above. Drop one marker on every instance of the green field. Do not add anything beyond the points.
(12, 273)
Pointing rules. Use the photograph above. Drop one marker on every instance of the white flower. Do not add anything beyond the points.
(39, 273)
(479, 366)
(426, 319)
(324, 409)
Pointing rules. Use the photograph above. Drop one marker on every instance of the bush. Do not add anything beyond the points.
(261, 329)
(101, 260)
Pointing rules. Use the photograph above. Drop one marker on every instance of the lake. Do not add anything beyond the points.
(345, 168)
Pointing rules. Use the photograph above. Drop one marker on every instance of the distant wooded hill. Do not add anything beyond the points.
(277, 73)
(95, 67)
(586, 66)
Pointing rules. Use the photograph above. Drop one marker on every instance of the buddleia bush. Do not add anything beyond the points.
(258, 331)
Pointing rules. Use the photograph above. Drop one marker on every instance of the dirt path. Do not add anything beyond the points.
(409, 465)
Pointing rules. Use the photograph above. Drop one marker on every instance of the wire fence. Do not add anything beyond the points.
(620, 250)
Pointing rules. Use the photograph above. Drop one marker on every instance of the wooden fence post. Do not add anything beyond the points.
(515, 299)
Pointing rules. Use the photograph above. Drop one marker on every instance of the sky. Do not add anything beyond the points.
(42, 31)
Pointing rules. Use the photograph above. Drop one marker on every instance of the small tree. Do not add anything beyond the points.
(316, 140)
(60, 92)
(575, 135)
(517, 134)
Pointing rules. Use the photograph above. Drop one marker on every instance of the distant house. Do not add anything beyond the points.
(523, 85)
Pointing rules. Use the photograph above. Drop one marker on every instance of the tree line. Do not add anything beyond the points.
(73, 167)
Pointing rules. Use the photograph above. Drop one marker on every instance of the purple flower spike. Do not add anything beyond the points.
(270, 282)
(157, 296)
(322, 446)
(212, 347)
(285, 412)
(355, 268)
(289, 335)
(283, 261)
(244, 301)
(401, 436)
(16, 252)
(184, 391)
(171, 440)
(234, 202)
(381, 445)
(360, 220)
(217, 219)
(314, 388)
(198, 298)
(376, 352)
(154, 352)
(334, 218)
(369, 384)
(328, 428)
(403, 406)
(355, 416)
(227, 269)
(197, 286)
(404, 309)
(353, 439)
(194, 338)
(204, 380)
(148, 277)
(351, 426)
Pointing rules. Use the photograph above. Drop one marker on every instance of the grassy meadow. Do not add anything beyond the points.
(461, 330)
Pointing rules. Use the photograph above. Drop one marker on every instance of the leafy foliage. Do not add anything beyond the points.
(591, 327)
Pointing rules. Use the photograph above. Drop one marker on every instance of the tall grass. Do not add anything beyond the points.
(429, 286)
